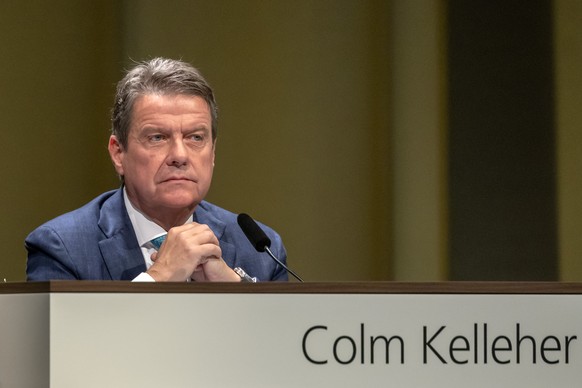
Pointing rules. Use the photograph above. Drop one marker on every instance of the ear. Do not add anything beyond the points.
(213, 151)
(116, 153)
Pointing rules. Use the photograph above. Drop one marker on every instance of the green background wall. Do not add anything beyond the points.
(332, 123)
(59, 61)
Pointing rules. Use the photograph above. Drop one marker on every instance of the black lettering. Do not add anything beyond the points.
(427, 345)
(518, 345)
(495, 348)
(354, 349)
(304, 345)
(387, 347)
(567, 350)
(476, 342)
(547, 348)
(362, 359)
(484, 343)
(452, 348)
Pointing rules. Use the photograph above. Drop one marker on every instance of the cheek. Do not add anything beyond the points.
(204, 160)
(119, 168)
(205, 169)
(209, 165)
(141, 168)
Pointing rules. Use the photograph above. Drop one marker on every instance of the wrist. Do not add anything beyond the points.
(243, 276)
(164, 274)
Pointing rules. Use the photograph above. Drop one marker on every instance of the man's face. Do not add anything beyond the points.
(168, 162)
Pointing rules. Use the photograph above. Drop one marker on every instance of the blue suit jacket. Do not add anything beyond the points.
(97, 242)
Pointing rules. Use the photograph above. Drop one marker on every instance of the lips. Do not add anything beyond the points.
(178, 178)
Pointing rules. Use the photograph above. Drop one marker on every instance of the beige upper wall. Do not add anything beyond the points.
(303, 131)
(568, 62)
(58, 64)
(418, 126)
(307, 104)
(299, 91)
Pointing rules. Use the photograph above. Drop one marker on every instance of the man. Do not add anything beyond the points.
(163, 147)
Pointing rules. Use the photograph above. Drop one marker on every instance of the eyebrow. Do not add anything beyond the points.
(202, 127)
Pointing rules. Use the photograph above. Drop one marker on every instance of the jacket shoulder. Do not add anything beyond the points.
(79, 219)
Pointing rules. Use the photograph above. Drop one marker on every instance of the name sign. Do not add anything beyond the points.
(316, 340)
(441, 346)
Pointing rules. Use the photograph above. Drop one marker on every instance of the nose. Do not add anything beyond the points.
(177, 153)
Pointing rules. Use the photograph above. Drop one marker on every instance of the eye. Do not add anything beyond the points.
(156, 138)
(198, 139)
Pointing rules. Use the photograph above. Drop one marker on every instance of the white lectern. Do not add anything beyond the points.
(121, 334)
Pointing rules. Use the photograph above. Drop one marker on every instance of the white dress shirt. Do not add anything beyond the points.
(145, 230)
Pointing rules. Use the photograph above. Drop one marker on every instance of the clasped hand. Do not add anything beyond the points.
(190, 251)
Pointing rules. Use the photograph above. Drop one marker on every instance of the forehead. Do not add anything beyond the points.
(172, 107)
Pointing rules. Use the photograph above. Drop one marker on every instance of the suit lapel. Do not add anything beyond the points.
(203, 216)
(120, 250)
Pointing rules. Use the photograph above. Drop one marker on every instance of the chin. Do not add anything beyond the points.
(184, 200)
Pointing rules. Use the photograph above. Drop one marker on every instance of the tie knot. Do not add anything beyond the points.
(157, 242)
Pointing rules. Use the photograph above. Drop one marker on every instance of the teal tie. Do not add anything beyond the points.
(157, 242)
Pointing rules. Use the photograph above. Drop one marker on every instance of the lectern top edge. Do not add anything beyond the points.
(296, 288)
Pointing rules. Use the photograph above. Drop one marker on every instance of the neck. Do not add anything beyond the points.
(168, 221)
(166, 218)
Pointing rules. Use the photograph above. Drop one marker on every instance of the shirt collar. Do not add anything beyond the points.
(145, 229)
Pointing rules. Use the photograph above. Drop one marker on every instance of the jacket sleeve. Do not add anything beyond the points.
(280, 274)
(48, 258)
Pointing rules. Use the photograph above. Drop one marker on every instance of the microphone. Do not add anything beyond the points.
(259, 239)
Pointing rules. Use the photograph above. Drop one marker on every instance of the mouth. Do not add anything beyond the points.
(178, 179)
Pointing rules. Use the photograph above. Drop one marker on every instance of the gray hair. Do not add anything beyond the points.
(158, 76)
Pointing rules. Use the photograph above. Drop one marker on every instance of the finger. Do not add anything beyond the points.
(191, 234)
(205, 252)
(215, 269)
